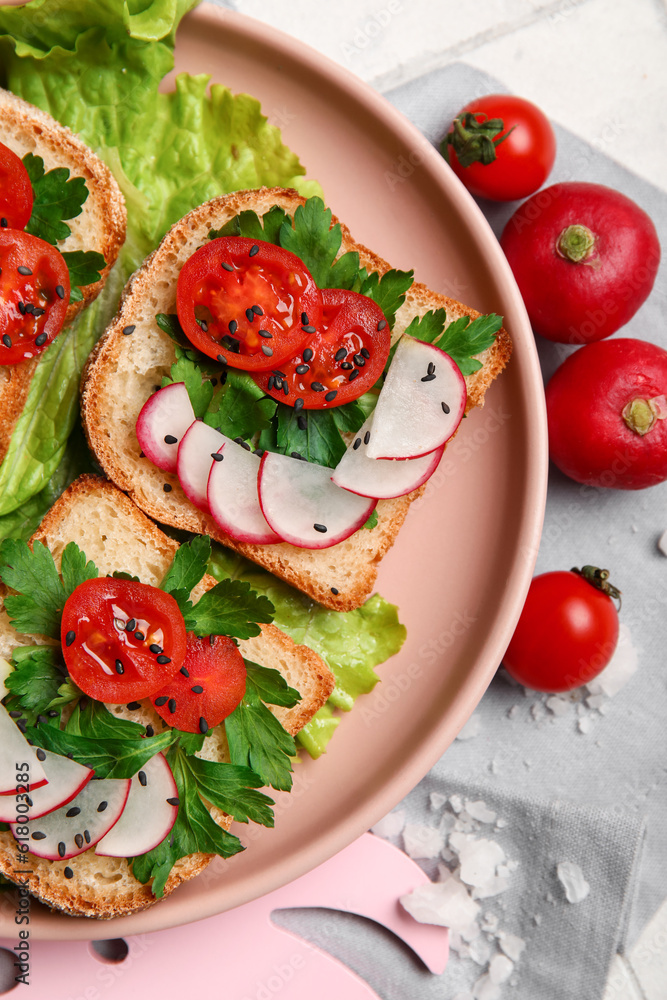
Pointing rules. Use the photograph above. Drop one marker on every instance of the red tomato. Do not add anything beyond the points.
(341, 361)
(34, 295)
(607, 414)
(16, 195)
(121, 639)
(584, 257)
(567, 631)
(501, 147)
(209, 686)
(247, 302)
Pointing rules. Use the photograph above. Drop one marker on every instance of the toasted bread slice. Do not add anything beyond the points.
(100, 226)
(123, 371)
(112, 532)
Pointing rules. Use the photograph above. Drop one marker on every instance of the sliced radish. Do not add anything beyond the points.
(72, 829)
(421, 404)
(14, 751)
(233, 499)
(378, 477)
(195, 457)
(164, 419)
(66, 779)
(149, 812)
(304, 507)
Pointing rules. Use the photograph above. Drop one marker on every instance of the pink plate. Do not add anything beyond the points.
(463, 561)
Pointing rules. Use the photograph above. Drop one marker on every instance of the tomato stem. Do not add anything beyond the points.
(640, 415)
(576, 244)
(474, 138)
(599, 578)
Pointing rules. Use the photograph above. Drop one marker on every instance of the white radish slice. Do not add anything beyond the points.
(421, 404)
(304, 507)
(72, 829)
(164, 419)
(195, 457)
(15, 751)
(379, 477)
(233, 499)
(148, 815)
(66, 779)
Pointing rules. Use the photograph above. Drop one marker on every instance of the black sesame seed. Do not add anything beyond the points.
(221, 359)
(308, 329)
(69, 638)
(7, 340)
(185, 671)
(60, 291)
(86, 836)
(41, 719)
(334, 591)
(30, 309)
(267, 351)
(149, 730)
(431, 368)
(365, 353)
(52, 713)
(331, 395)
(353, 375)
(253, 250)
(22, 724)
(3, 222)
(359, 361)
(286, 388)
(102, 806)
(259, 452)
(445, 408)
(249, 315)
(62, 850)
(127, 330)
(167, 488)
(197, 689)
(37, 311)
(322, 528)
(296, 454)
(142, 778)
(40, 339)
(317, 387)
(67, 872)
(367, 437)
(154, 648)
(133, 705)
(120, 669)
(233, 326)
(78, 839)
(302, 369)
(203, 725)
(22, 308)
(131, 625)
(74, 811)
(213, 381)
(272, 382)
(302, 422)
(172, 705)
(40, 754)
(266, 334)
(139, 636)
(382, 324)
(308, 354)
(258, 311)
(346, 365)
(340, 354)
(304, 319)
(162, 700)
(15, 714)
(174, 801)
(38, 835)
(22, 269)
(163, 659)
(216, 457)
(428, 378)
(227, 267)
(298, 403)
(356, 444)
(170, 439)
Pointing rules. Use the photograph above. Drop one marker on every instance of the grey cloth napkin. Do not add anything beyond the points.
(566, 795)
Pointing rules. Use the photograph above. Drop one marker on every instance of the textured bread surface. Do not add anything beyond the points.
(123, 371)
(112, 532)
(100, 226)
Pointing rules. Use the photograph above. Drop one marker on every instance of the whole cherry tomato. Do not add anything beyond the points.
(247, 302)
(16, 194)
(567, 632)
(501, 147)
(122, 640)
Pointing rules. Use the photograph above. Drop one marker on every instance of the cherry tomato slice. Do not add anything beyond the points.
(16, 194)
(338, 363)
(208, 687)
(247, 302)
(34, 295)
(122, 640)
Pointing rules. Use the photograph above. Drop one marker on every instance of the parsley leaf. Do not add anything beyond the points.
(188, 566)
(37, 608)
(109, 757)
(428, 327)
(232, 789)
(463, 339)
(93, 719)
(85, 267)
(239, 407)
(35, 680)
(316, 242)
(271, 686)
(74, 569)
(316, 434)
(200, 390)
(229, 608)
(189, 743)
(372, 520)
(387, 291)
(56, 198)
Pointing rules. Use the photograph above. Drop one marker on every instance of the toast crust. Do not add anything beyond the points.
(100, 226)
(122, 372)
(95, 509)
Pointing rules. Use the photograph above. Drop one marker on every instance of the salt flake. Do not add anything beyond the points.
(572, 879)
(390, 825)
(422, 841)
(446, 904)
(500, 969)
(620, 668)
(471, 729)
(479, 810)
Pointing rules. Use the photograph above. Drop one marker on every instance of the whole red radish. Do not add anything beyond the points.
(606, 410)
(584, 257)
